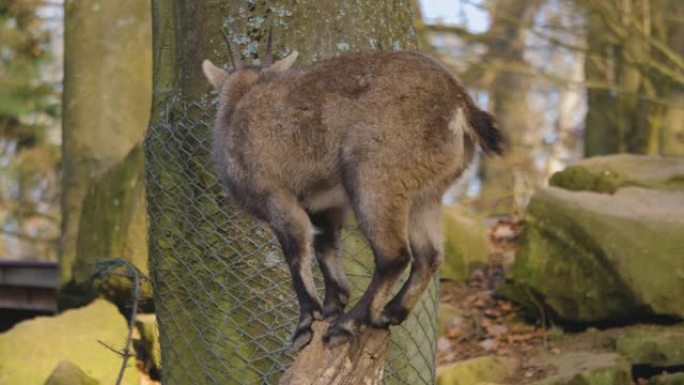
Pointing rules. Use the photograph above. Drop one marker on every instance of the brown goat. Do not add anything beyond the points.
(382, 133)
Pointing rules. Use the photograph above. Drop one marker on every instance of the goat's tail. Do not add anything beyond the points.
(486, 131)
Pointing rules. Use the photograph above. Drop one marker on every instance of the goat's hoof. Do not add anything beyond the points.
(301, 338)
(332, 314)
(392, 315)
(338, 334)
(383, 322)
(317, 315)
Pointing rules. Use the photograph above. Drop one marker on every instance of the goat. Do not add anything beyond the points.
(381, 133)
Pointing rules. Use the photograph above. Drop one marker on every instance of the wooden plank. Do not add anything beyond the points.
(25, 298)
(29, 274)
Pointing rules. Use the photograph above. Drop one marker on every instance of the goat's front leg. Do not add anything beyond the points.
(327, 245)
(291, 225)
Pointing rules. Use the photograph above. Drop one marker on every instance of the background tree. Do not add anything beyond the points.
(636, 55)
(107, 92)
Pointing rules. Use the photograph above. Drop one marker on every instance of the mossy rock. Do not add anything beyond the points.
(591, 257)
(466, 246)
(488, 369)
(146, 324)
(584, 368)
(445, 314)
(667, 379)
(67, 373)
(606, 174)
(30, 351)
(655, 346)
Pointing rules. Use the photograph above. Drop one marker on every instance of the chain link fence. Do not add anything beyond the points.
(223, 294)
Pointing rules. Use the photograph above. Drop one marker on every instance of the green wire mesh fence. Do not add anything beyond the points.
(223, 296)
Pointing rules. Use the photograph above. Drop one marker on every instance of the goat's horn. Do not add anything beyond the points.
(268, 55)
(234, 57)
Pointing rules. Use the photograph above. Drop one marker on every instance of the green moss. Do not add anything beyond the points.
(465, 244)
(476, 370)
(652, 346)
(667, 379)
(578, 178)
(32, 349)
(114, 211)
(583, 368)
(606, 174)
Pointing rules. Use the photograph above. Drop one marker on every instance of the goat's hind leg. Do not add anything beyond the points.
(327, 246)
(425, 235)
(292, 226)
(385, 227)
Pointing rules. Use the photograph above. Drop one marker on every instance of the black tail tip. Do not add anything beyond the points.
(489, 136)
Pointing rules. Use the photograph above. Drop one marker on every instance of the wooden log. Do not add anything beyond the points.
(359, 362)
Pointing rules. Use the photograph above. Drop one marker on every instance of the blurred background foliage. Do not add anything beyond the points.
(30, 89)
(565, 78)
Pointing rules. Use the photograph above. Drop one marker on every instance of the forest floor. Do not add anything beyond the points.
(476, 322)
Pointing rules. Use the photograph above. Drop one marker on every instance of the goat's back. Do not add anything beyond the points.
(393, 110)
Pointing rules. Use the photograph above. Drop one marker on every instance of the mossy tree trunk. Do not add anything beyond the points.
(107, 95)
(224, 300)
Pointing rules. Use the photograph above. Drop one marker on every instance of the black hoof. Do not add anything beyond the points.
(332, 314)
(337, 335)
(391, 316)
(383, 322)
(302, 336)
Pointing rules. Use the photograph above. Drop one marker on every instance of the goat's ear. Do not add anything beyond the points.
(283, 65)
(215, 75)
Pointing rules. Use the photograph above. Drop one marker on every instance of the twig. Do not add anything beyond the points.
(126, 354)
(131, 322)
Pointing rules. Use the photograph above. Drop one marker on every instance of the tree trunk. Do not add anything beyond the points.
(508, 94)
(637, 110)
(107, 84)
(224, 300)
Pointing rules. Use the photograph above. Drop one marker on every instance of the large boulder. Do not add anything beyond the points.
(652, 345)
(466, 246)
(609, 173)
(584, 368)
(481, 370)
(31, 350)
(668, 379)
(597, 257)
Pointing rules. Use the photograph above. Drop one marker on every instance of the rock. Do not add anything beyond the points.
(607, 174)
(488, 369)
(593, 257)
(465, 243)
(66, 373)
(446, 316)
(32, 349)
(654, 346)
(668, 379)
(146, 324)
(584, 368)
